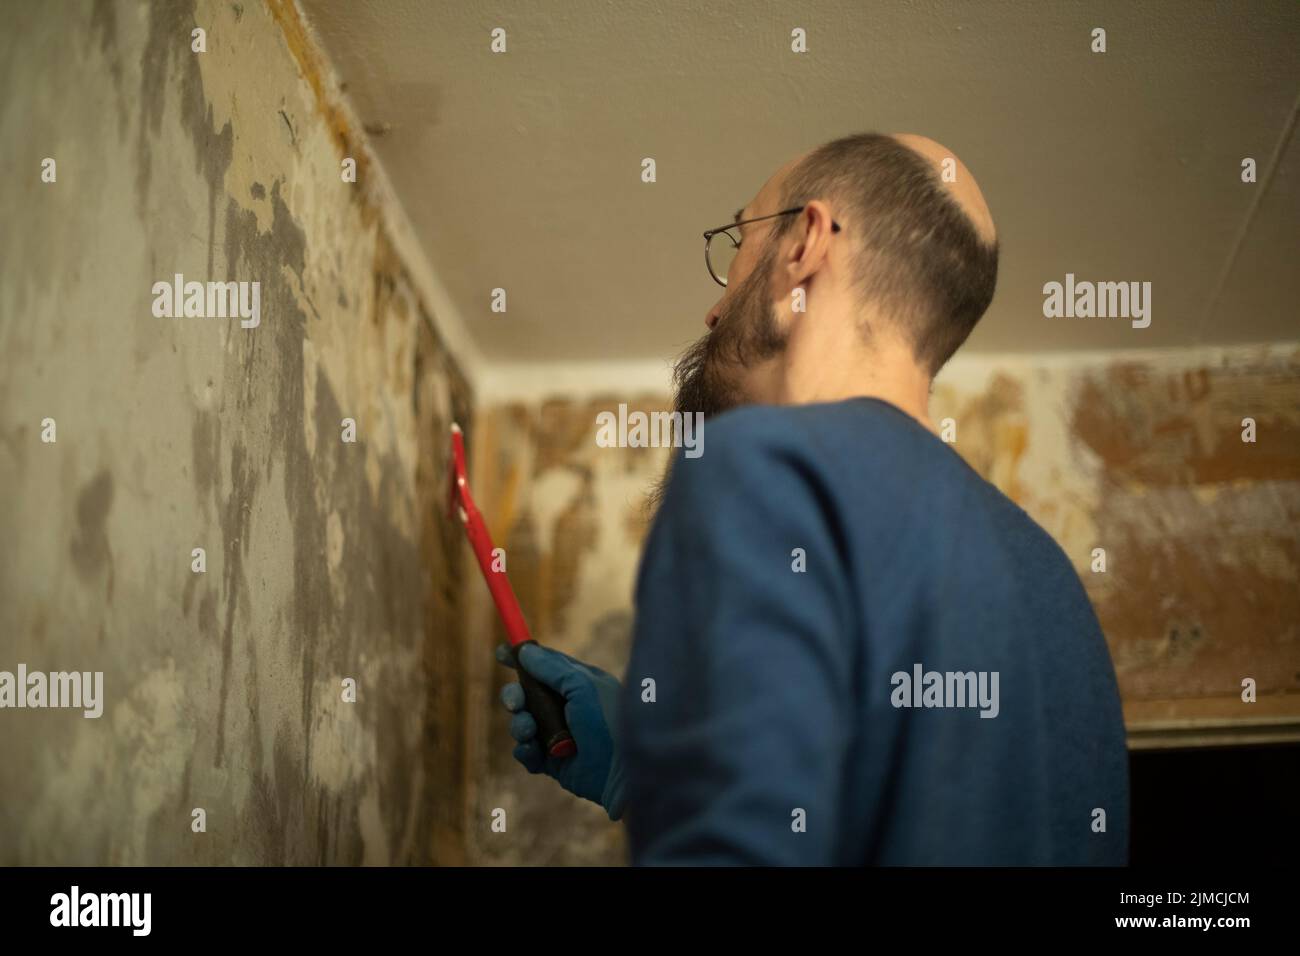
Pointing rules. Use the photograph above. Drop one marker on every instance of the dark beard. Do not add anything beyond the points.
(746, 333)
(705, 376)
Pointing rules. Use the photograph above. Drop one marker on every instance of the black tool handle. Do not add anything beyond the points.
(547, 707)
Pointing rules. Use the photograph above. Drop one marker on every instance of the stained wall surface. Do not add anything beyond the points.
(324, 559)
(1145, 456)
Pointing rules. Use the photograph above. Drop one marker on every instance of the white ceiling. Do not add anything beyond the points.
(522, 170)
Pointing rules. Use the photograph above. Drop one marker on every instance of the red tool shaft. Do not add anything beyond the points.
(503, 595)
(546, 704)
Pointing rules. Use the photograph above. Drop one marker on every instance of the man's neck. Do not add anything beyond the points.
(888, 374)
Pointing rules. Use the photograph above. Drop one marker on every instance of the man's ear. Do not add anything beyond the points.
(810, 246)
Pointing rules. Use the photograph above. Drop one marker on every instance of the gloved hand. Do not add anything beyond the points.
(591, 698)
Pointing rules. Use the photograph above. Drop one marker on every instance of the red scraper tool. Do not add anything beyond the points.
(546, 705)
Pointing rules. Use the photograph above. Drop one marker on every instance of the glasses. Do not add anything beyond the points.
(721, 247)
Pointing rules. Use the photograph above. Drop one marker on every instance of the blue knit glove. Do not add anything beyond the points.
(591, 698)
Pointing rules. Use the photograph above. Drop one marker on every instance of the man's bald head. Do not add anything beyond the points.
(960, 185)
(925, 245)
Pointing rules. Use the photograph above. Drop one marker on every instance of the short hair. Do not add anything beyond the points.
(920, 256)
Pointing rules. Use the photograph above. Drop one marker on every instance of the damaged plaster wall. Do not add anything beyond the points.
(1143, 455)
(1140, 454)
(325, 560)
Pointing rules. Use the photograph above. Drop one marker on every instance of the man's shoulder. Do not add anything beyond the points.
(766, 458)
(796, 427)
(866, 460)
(861, 439)
(860, 465)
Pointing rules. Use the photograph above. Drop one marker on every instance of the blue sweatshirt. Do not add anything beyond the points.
(862, 653)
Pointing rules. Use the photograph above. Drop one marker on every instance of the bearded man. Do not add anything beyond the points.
(849, 648)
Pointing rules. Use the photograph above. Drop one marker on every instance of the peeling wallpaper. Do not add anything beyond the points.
(1145, 458)
(325, 560)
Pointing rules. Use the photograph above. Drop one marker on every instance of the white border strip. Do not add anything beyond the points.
(530, 381)
(526, 381)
